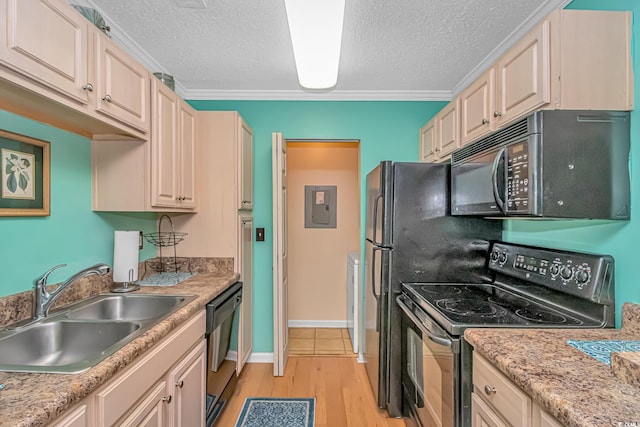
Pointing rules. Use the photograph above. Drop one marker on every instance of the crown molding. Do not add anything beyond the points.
(336, 95)
(543, 10)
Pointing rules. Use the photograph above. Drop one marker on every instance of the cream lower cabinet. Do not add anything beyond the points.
(497, 402)
(221, 228)
(165, 387)
(572, 60)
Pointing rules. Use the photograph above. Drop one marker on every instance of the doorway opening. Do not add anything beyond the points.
(317, 302)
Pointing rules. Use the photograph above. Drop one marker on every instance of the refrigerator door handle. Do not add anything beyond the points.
(373, 282)
(375, 220)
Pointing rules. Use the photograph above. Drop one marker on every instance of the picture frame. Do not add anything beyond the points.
(24, 175)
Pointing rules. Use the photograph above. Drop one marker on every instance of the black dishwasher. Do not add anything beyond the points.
(221, 373)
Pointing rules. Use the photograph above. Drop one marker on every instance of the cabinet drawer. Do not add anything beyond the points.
(496, 389)
(116, 398)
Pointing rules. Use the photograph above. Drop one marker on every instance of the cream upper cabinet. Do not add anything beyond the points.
(187, 155)
(122, 89)
(476, 107)
(573, 59)
(448, 129)
(57, 68)
(245, 158)
(46, 41)
(441, 135)
(523, 75)
(427, 142)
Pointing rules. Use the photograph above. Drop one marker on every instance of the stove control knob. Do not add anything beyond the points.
(566, 272)
(554, 269)
(582, 276)
(494, 256)
(502, 258)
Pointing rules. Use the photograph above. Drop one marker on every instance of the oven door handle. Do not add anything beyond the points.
(446, 342)
(494, 179)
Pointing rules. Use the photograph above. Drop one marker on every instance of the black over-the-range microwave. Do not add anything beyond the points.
(551, 164)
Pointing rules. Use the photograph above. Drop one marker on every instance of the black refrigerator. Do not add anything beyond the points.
(411, 237)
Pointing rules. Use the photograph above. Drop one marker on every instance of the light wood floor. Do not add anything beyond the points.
(339, 384)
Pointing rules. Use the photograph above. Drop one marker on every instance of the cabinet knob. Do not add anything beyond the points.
(437, 149)
(180, 384)
(167, 399)
(485, 121)
(88, 87)
(497, 114)
(107, 98)
(489, 390)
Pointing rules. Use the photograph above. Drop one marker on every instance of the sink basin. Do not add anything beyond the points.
(126, 307)
(62, 346)
(83, 334)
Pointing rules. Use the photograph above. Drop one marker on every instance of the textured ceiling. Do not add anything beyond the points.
(413, 49)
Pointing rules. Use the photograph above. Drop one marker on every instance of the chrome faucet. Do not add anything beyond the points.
(43, 300)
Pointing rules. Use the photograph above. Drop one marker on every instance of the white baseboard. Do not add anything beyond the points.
(317, 323)
(260, 358)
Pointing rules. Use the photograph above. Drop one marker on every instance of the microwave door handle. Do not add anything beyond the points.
(494, 180)
(414, 319)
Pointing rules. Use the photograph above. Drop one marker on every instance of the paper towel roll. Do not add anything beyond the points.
(125, 256)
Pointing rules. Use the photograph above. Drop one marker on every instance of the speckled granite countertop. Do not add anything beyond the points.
(37, 399)
(575, 388)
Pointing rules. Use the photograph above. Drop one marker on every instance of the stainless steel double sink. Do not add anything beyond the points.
(81, 335)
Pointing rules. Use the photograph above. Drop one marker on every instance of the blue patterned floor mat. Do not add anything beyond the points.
(601, 350)
(277, 412)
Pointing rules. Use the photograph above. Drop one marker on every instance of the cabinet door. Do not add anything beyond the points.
(427, 142)
(245, 326)
(79, 417)
(482, 415)
(476, 107)
(152, 411)
(46, 40)
(246, 166)
(187, 149)
(187, 380)
(543, 419)
(523, 76)
(123, 84)
(163, 146)
(448, 131)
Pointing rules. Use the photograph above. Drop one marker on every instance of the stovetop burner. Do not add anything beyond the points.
(459, 306)
(541, 316)
(470, 307)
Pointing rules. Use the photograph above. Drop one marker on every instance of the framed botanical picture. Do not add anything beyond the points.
(24, 190)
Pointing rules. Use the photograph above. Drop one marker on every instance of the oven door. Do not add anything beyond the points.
(430, 370)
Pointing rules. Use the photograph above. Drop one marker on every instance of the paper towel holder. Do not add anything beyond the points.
(127, 286)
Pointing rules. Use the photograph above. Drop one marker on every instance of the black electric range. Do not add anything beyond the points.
(534, 288)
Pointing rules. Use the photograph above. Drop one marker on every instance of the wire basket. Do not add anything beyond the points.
(162, 239)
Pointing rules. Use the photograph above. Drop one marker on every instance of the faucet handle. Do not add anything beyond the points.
(41, 281)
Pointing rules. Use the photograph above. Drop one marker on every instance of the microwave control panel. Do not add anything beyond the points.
(518, 179)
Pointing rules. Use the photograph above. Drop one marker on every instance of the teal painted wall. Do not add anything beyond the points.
(386, 130)
(73, 233)
(617, 238)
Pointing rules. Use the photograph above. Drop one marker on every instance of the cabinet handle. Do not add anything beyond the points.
(245, 201)
(167, 399)
(88, 87)
(180, 384)
(107, 98)
(485, 121)
(497, 114)
(437, 149)
(489, 390)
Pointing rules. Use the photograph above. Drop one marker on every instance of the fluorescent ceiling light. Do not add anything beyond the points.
(316, 35)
